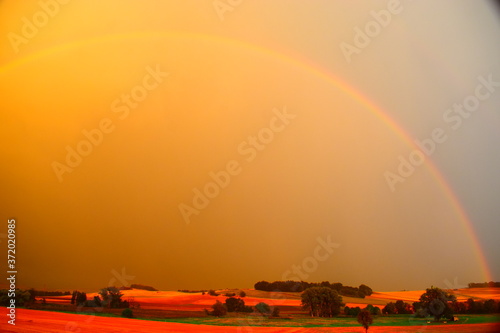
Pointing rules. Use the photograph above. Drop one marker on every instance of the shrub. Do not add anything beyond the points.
(234, 304)
(127, 313)
(143, 287)
(218, 309)
(112, 298)
(263, 308)
(247, 309)
(212, 292)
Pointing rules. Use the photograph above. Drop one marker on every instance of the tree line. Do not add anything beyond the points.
(490, 284)
(300, 286)
(109, 297)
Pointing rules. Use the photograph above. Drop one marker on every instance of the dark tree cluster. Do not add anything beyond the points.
(41, 293)
(490, 284)
(143, 287)
(111, 297)
(232, 304)
(399, 307)
(321, 301)
(373, 310)
(472, 306)
(192, 291)
(78, 298)
(218, 309)
(435, 302)
(212, 292)
(22, 297)
(299, 286)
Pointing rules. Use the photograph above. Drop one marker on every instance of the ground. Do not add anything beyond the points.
(184, 312)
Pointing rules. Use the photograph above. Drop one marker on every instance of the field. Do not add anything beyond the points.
(161, 311)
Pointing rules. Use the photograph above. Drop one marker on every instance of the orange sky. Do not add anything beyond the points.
(171, 94)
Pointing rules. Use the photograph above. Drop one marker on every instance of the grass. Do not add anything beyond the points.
(298, 320)
(392, 320)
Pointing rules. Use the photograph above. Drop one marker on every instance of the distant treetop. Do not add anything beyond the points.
(490, 284)
(143, 287)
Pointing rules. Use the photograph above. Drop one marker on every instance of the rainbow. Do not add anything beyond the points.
(303, 64)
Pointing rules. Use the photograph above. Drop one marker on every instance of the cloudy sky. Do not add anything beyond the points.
(211, 144)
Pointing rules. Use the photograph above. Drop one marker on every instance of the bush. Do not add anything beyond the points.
(263, 308)
(234, 304)
(127, 313)
(276, 312)
(219, 309)
(212, 292)
(143, 287)
(112, 298)
(247, 309)
(81, 298)
(242, 294)
(354, 311)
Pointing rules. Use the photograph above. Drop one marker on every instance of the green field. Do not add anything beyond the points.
(305, 321)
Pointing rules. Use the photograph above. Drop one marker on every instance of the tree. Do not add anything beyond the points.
(235, 304)
(262, 285)
(276, 312)
(400, 307)
(219, 309)
(263, 308)
(127, 313)
(437, 303)
(389, 308)
(81, 298)
(112, 297)
(337, 286)
(212, 292)
(97, 301)
(374, 310)
(365, 290)
(242, 294)
(321, 301)
(489, 306)
(365, 319)
(353, 312)
(21, 296)
(33, 295)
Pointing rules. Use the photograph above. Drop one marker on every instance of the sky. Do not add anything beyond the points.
(214, 144)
